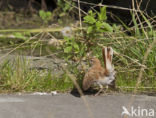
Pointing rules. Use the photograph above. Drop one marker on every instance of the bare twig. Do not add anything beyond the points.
(73, 78)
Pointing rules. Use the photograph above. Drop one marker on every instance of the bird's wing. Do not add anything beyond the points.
(89, 78)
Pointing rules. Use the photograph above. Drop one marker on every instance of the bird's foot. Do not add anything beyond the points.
(99, 92)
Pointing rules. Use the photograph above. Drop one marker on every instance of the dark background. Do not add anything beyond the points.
(148, 6)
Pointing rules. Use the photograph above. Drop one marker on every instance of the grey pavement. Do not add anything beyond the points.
(70, 106)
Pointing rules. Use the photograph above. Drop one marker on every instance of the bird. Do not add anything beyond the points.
(97, 75)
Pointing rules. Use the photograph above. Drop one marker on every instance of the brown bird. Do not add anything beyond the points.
(99, 75)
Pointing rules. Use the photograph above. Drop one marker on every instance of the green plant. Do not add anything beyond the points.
(64, 7)
(45, 16)
(65, 11)
(17, 76)
(96, 23)
(73, 48)
(78, 47)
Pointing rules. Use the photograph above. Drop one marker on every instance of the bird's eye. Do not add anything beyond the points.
(91, 61)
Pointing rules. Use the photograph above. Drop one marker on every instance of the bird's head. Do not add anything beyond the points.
(94, 61)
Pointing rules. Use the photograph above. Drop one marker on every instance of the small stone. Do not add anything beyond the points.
(54, 92)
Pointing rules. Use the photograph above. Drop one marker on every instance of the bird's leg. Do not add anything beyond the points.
(106, 89)
(101, 89)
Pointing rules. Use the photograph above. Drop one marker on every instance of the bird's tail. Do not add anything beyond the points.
(107, 56)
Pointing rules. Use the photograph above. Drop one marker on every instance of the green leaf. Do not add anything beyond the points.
(89, 19)
(62, 14)
(19, 35)
(42, 14)
(102, 15)
(66, 8)
(69, 56)
(76, 46)
(91, 13)
(89, 29)
(68, 49)
(48, 14)
(67, 39)
(98, 24)
(107, 27)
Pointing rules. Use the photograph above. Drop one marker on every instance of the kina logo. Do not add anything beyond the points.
(137, 112)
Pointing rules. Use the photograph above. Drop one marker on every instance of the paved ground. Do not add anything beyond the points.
(70, 106)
